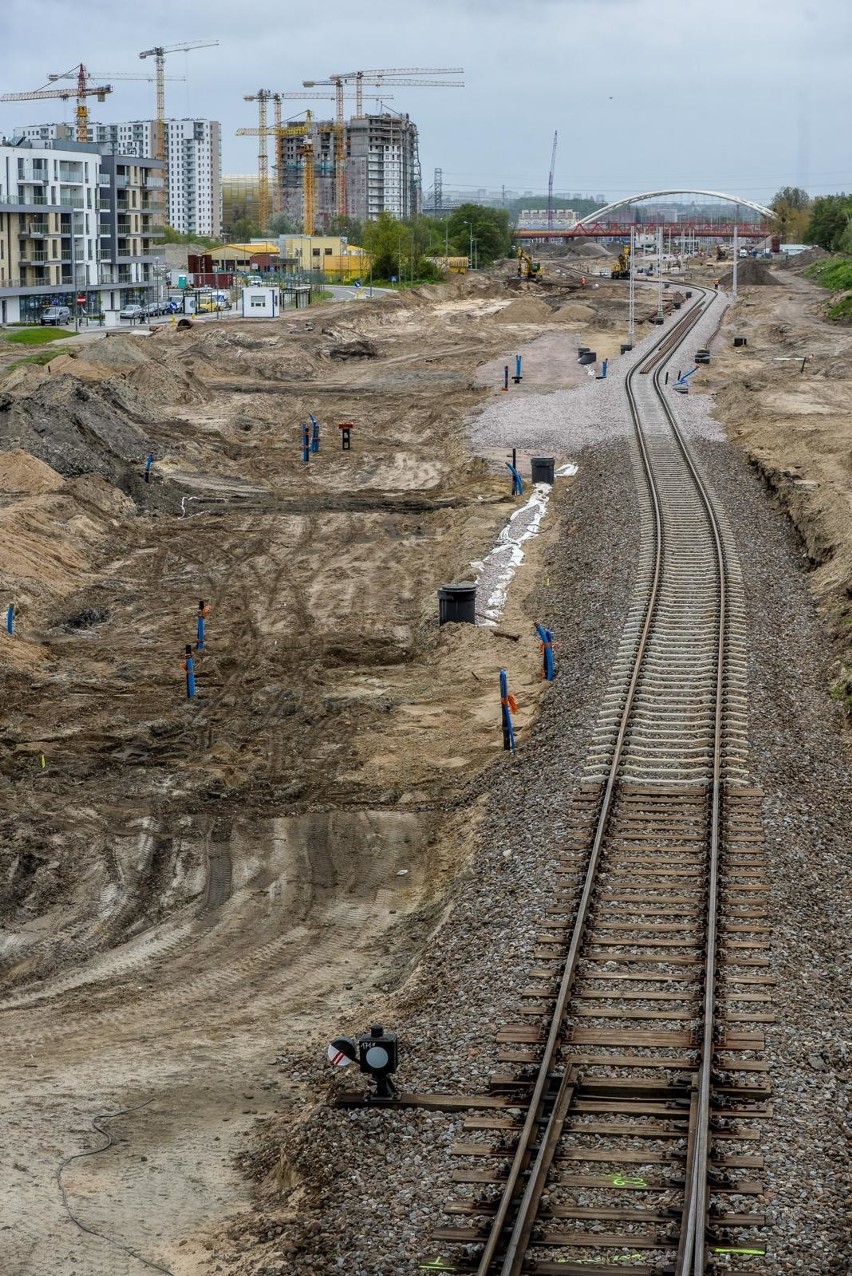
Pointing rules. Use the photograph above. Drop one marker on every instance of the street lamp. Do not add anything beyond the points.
(470, 249)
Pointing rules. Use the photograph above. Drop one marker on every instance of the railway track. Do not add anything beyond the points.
(624, 1140)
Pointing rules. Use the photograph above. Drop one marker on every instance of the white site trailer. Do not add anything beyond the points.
(260, 302)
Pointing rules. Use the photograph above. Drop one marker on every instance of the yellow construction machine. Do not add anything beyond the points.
(621, 269)
(527, 268)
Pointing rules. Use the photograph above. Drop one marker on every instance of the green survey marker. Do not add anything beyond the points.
(437, 1265)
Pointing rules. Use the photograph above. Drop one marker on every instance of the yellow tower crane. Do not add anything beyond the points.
(262, 97)
(389, 76)
(280, 131)
(159, 54)
(84, 90)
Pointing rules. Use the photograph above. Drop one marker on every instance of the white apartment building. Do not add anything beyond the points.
(77, 228)
(194, 159)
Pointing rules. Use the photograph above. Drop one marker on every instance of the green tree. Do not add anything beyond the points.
(792, 209)
(349, 227)
(243, 229)
(488, 227)
(382, 239)
(829, 221)
(283, 224)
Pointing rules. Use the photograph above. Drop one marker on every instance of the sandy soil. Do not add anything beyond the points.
(785, 398)
(188, 886)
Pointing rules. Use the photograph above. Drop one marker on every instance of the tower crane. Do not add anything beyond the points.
(377, 80)
(271, 200)
(159, 54)
(393, 72)
(262, 97)
(84, 90)
(550, 183)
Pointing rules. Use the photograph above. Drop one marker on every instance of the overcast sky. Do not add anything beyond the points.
(742, 96)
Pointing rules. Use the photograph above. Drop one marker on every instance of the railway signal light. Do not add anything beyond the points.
(377, 1055)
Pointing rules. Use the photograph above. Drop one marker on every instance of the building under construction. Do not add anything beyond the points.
(381, 168)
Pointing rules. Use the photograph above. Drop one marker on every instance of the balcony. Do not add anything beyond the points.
(35, 230)
(124, 227)
(36, 258)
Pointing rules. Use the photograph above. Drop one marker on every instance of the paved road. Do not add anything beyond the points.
(342, 292)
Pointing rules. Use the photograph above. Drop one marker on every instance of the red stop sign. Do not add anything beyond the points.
(81, 300)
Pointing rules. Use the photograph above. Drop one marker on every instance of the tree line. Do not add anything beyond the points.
(825, 221)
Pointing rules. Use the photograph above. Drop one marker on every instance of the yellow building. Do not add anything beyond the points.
(330, 254)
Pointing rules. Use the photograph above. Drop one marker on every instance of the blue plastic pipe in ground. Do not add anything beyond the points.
(547, 663)
(517, 481)
(507, 703)
(517, 369)
(203, 611)
(189, 666)
(10, 618)
(306, 443)
(315, 433)
(149, 461)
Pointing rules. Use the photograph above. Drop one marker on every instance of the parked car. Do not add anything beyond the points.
(132, 312)
(55, 315)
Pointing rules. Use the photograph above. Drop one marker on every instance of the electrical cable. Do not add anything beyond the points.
(78, 1156)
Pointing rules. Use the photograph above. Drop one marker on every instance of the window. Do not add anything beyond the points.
(258, 300)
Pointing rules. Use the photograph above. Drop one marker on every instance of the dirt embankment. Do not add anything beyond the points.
(785, 397)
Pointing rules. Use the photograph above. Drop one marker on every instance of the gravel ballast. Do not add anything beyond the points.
(366, 1187)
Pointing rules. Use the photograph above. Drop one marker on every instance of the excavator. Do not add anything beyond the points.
(527, 268)
(621, 269)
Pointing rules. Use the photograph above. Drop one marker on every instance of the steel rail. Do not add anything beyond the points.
(513, 1258)
(695, 1208)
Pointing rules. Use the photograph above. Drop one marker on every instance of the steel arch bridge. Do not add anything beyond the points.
(599, 225)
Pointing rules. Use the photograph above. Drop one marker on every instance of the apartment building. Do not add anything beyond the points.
(382, 166)
(77, 228)
(194, 157)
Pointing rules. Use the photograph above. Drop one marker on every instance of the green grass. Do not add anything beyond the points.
(834, 273)
(841, 309)
(43, 356)
(36, 336)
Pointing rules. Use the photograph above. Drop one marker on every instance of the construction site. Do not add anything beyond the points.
(201, 891)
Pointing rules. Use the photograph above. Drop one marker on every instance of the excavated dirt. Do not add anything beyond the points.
(749, 273)
(192, 891)
(187, 884)
(785, 398)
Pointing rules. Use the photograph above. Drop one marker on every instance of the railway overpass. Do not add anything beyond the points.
(615, 222)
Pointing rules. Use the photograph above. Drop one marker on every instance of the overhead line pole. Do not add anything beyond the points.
(631, 309)
(660, 271)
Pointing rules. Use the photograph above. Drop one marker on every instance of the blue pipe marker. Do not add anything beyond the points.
(517, 481)
(546, 637)
(517, 377)
(149, 461)
(306, 443)
(314, 433)
(203, 613)
(508, 704)
(10, 618)
(603, 369)
(189, 666)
